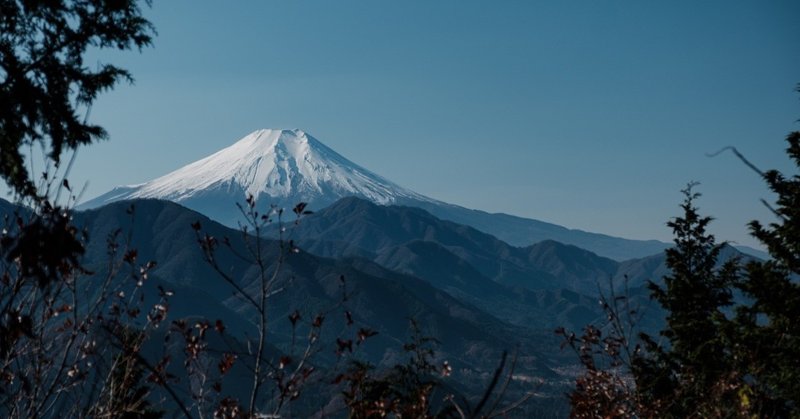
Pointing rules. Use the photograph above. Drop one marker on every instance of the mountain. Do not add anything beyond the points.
(284, 167)
(281, 167)
(474, 292)
(520, 231)
(541, 286)
(377, 298)
(636, 272)
(545, 284)
(397, 236)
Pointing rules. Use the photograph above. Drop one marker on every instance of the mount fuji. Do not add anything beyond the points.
(280, 167)
(284, 167)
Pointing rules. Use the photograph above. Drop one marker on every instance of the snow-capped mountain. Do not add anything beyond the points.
(284, 167)
(281, 167)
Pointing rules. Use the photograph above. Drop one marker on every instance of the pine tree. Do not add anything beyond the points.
(768, 346)
(731, 345)
(680, 377)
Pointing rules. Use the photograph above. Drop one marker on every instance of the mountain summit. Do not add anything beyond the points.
(284, 167)
(281, 167)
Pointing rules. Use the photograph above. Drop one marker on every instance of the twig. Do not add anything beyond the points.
(492, 385)
(755, 169)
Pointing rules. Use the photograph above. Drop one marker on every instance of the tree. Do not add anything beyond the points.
(768, 333)
(732, 335)
(688, 376)
(59, 326)
(44, 82)
(677, 379)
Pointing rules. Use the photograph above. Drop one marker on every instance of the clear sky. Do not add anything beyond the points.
(589, 114)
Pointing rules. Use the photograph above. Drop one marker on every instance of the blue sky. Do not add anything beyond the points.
(589, 114)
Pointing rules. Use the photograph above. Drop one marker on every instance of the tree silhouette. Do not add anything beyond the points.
(768, 332)
(45, 84)
(678, 378)
(731, 344)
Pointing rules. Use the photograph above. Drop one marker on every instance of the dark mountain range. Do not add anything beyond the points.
(544, 285)
(381, 299)
(412, 240)
(475, 293)
(378, 298)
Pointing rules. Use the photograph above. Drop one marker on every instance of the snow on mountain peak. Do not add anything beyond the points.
(284, 167)
(274, 164)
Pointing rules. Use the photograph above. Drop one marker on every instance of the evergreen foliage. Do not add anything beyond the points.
(45, 83)
(731, 345)
(677, 378)
(767, 351)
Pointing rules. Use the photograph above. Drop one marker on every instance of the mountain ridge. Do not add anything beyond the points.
(284, 167)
